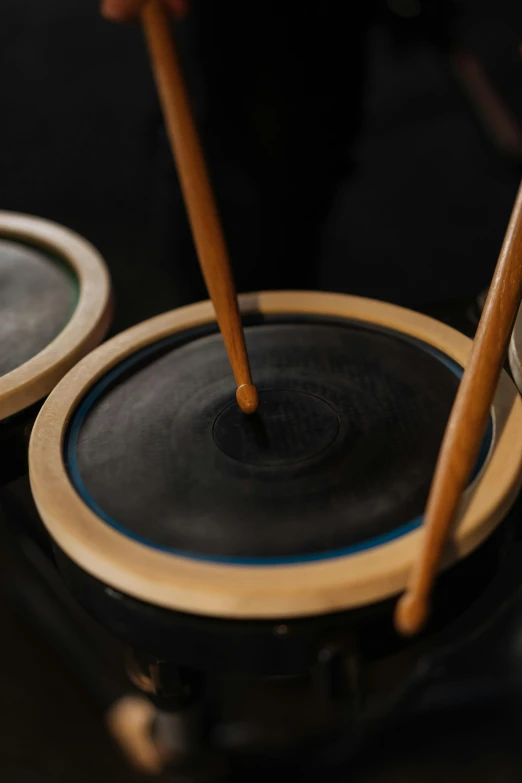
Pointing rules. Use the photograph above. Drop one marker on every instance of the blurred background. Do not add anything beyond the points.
(372, 148)
(344, 147)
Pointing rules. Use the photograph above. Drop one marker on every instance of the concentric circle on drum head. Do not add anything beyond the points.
(54, 299)
(339, 455)
(162, 492)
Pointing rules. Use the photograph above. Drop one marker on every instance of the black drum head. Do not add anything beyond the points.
(338, 458)
(37, 297)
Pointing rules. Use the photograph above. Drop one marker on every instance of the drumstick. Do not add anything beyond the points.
(467, 423)
(199, 200)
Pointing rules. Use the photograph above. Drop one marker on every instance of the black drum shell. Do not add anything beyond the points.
(281, 646)
(15, 432)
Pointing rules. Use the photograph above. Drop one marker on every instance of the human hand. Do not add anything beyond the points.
(122, 10)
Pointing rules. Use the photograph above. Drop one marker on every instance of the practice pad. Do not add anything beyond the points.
(149, 477)
(37, 297)
(340, 453)
(54, 304)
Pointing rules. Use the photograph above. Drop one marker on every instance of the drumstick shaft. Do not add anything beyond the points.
(467, 422)
(197, 192)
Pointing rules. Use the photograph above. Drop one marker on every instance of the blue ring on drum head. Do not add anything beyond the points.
(71, 442)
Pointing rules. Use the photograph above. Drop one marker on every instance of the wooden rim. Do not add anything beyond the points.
(268, 592)
(34, 379)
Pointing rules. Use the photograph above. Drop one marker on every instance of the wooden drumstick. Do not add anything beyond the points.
(199, 200)
(467, 423)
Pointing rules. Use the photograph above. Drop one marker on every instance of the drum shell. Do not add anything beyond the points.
(15, 432)
(281, 646)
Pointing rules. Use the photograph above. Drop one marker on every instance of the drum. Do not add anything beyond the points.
(55, 304)
(251, 563)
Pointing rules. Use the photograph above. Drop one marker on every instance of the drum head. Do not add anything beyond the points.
(38, 293)
(54, 299)
(334, 468)
(339, 454)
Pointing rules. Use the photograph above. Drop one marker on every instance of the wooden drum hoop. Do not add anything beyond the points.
(272, 591)
(34, 379)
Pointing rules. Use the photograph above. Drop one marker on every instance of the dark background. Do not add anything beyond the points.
(380, 149)
(374, 120)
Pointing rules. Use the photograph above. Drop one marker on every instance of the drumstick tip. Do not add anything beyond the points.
(247, 398)
(411, 613)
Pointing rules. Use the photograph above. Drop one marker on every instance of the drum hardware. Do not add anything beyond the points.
(339, 672)
(172, 727)
(170, 685)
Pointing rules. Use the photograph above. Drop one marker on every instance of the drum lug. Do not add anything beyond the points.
(172, 687)
(175, 695)
(138, 673)
(338, 672)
